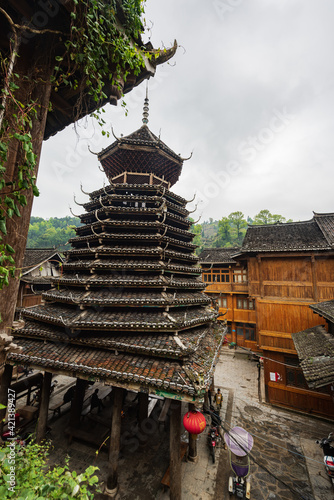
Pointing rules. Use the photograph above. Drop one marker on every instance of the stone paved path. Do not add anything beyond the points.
(286, 463)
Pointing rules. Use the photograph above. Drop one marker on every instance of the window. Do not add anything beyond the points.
(245, 303)
(222, 301)
(250, 333)
(239, 275)
(246, 331)
(214, 275)
(294, 374)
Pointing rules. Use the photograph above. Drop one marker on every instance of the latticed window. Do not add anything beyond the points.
(294, 374)
(245, 303)
(239, 275)
(222, 301)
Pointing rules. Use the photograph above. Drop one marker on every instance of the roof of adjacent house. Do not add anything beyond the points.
(324, 309)
(315, 349)
(218, 255)
(34, 257)
(316, 234)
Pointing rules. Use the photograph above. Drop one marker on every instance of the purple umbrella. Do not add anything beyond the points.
(239, 441)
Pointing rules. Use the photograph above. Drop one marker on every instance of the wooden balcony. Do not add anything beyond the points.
(227, 287)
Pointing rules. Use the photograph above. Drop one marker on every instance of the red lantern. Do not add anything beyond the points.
(194, 422)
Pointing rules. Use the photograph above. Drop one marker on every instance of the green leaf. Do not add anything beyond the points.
(10, 249)
(17, 211)
(3, 226)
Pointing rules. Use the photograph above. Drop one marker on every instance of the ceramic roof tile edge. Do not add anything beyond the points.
(327, 231)
(324, 309)
(216, 259)
(316, 378)
(41, 255)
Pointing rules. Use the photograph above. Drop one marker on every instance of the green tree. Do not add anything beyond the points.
(54, 232)
(224, 233)
(238, 222)
(33, 480)
(265, 217)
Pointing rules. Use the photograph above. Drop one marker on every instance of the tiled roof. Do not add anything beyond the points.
(290, 237)
(126, 298)
(141, 151)
(141, 189)
(218, 255)
(177, 377)
(128, 264)
(123, 279)
(326, 224)
(130, 251)
(141, 137)
(158, 345)
(143, 320)
(324, 309)
(34, 257)
(315, 348)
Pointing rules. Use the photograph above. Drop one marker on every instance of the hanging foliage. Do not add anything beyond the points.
(96, 54)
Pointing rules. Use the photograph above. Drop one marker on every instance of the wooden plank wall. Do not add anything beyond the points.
(313, 402)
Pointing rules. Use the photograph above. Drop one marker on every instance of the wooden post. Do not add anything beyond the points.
(5, 383)
(142, 406)
(43, 407)
(175, 451)
(314, 277)
(192, 448)
(115, 443)
(77, 403)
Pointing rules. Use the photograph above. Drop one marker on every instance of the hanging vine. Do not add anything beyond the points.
(97, 53)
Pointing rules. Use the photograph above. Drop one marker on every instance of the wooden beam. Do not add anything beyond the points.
(43, 407)
(115, 444)
(142, 406)
(314, 278)
(192, 448)
(175, 450)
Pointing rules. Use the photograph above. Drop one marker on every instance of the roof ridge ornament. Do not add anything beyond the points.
(146, 108)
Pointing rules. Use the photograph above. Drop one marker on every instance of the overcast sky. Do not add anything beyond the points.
(250, 91)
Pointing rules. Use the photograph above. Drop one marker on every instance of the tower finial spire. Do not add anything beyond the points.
(145, 108)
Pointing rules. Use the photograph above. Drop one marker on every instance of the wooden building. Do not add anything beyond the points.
(39, 266)
(128, 309)
(290, 267)
(227, 282)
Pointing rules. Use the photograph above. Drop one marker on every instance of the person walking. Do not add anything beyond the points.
(96, 402)
(218, 400)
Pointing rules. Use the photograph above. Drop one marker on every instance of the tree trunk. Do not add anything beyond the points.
(35, 87)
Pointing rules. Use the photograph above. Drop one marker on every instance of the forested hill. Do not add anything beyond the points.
(53, 232)
(230, 231)
(227, 232)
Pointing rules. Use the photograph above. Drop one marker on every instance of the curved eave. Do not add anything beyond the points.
(64, 102)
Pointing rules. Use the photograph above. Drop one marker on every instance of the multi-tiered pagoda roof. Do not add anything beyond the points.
(128, 308)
